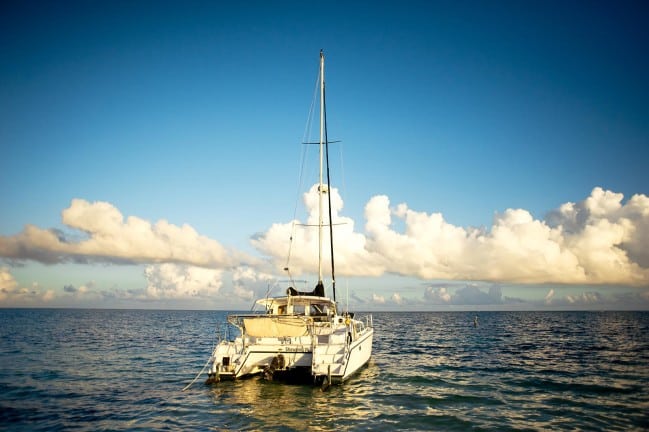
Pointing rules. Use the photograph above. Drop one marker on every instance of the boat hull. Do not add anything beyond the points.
(330, 352)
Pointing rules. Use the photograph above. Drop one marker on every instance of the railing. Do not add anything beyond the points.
(368, 321)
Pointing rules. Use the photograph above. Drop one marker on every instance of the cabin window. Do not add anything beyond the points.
(299, 309)
(318, 310)
(281, 310)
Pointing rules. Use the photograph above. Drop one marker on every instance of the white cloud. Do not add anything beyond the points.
(84, 293)
(242, 293)
(600, 240)
(181, 281)
(491, 298)
(380, 300)
(610, 238)
(48, 296)
(437, 295)
(584, 298)
(588, 299)
(549, 296)
(250, 284)
(12, 294)
(109, 237)
(8, 284)
(472, 295)
(352, 256)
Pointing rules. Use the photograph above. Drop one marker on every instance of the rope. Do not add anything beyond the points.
(203, 370)
(199, 374)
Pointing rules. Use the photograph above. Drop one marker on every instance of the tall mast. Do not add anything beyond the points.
(331, 225)
(321, 190)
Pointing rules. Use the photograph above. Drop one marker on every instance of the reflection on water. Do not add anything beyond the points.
(256, 403)
(117, 370)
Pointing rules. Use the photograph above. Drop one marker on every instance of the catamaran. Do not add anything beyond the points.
(299, 335)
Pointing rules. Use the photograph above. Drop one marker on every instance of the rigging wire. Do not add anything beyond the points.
(305, 136)
(343, 185)
(343, 193)
(331, 226)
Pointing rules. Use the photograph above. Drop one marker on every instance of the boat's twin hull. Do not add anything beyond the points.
(292, 359)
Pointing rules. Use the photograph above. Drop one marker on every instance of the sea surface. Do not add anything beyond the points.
(126, 369)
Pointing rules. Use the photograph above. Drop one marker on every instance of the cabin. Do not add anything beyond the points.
(310, 306)
(289, 316)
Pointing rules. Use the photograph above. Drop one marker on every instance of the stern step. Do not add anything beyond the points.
(328, 360)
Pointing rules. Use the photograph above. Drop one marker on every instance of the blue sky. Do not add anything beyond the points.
(493, 155)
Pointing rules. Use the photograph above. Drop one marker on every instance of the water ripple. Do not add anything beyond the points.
(115, 370)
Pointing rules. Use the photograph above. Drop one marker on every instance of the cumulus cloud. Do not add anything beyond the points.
(549, 296)
(437, 295)
(352, 256)
(181, 281)
(472, 295)
(82, 291)
(584, 299)
(601, 240)
(610, 237)
(108, 236)
(8, 284)
(48, 296)
(11, 293)
(396, 300)
(589, 297)
(491, 297)
(465, 295)
(250, 284)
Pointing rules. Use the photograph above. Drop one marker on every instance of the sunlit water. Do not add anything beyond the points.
(124, 370)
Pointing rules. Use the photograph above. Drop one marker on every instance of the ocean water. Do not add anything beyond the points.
(125, 370)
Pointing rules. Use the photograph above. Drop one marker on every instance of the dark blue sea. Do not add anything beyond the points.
(125, 370)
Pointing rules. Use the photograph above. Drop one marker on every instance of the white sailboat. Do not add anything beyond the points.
(300, 335)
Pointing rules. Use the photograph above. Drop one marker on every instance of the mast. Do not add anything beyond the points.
(331, 225)
(324, 153)
(320, 185)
